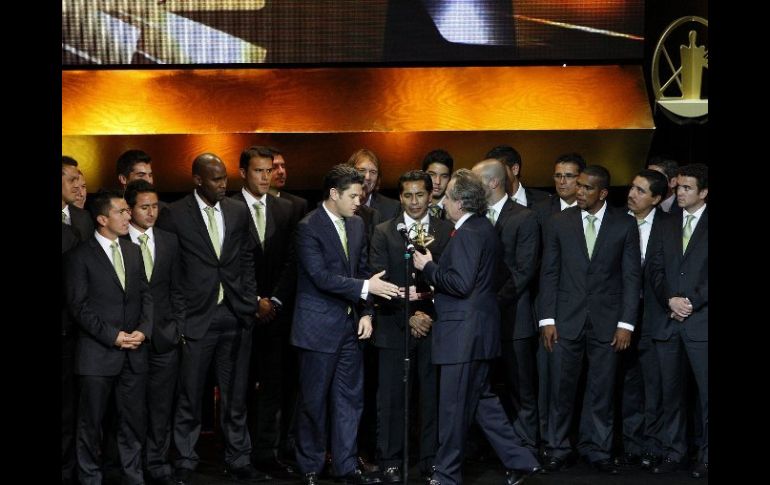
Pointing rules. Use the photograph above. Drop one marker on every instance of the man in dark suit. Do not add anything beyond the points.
(160, 255)
(590, 284)
(271, 229)
(277, 183)
(78, 219)
(217, 255)
(639, 376)
(512, 161)
(517, 228)
(438, 164)
(387, 253)
(110, 300)
(333, 280)
(368, 165)
(680, 276)
(466, 335)
(137, 165)
(669, 168)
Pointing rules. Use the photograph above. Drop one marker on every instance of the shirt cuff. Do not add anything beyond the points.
(626, 326)
(547, 321)
(276, 300)
(365, 290)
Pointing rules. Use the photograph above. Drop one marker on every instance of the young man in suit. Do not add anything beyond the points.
(387, 253)
(272, 231)
(512, 161)
(517, 228)
(368, 165)
(680, 276)
(466, 336)
(278, 181)
(590, 283)
(639, 374)
(160, 255)
(217, 255)
(137, 165)
(333, 313)
(110, 300)
(438, 164)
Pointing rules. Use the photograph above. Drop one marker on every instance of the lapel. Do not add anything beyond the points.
(270, 208)
(698, 234)
(105, 261)
(505, 212)
(160, 253)
(326, 225)
(604, 229)
(576, 221)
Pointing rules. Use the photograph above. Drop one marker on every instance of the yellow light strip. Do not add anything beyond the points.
(584, 28)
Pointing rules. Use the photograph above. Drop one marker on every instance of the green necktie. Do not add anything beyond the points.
(590, 234)
(259, 212)
(491, 212)
(146, 255)
(435, 211)
(117, 262)
(63, 217)
(214, 236)
(343, 235)
(687, 232)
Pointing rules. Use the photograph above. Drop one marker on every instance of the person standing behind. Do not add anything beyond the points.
(512, 161)
(217, 255)
(368, 165)
(333, 281)
(668, 168)
(78, 219)
(438, 164)
(466, 336)
(110, 300)
(278, 181)
(160, 255)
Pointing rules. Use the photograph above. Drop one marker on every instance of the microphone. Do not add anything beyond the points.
(401, 228)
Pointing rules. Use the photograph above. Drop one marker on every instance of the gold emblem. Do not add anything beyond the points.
(420, 236)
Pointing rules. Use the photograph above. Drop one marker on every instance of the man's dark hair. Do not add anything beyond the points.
(574, 158)
(698, 171)
(601, 173)
(438, 156)
(65, 160)
(101, 202)
(506, 154)
(415, 176)
(255, 151)
(658, 182)
(136, 187)
(469, 188)
(341, 177)
(669, 166)
(130, 158)
(274, 151)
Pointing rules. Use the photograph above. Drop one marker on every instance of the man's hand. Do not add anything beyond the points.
(413, 294)
(382, 288)
(266, 312)
(550, 336)
(622, 339)
(133, 340)
(680, 306)
(420, 260)
(420, 323)
(365, 327)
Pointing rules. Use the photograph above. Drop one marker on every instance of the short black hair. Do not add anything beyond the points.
(274, 151)
(128, 159)
(668, 165)
(415, 176)
(698, 171)
(599, 172)
(341, 177)
(506, 154)
(574, 158)
(658, 182)
(256, 151)
(65, 160)
(100, 203)
(136, 187)
(438, 156)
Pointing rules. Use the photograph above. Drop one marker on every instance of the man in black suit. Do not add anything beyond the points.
(680, 275)
(110, 300)
(278, 181)
(271, 229)
(466, 335)
(639, 376)
(438, 164)
(669, 168)
(512, 161)
(217, 255)
(517, 228)
(387, 253)
(590, 284)
(137, 165)
(329, 323)
(160, 255)
(368, 165)
(78, 219)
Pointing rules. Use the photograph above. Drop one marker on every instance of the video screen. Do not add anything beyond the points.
(202, 32)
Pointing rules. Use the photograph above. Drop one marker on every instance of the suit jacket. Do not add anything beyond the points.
(69, 239)
(388, 208)
(654, 315)
(82, 223)
(386, 252)
(468, 325)
(606, 287)
(371, 217)
(327, 282)
(166, 288)
(202, 271)
(519, 233)
(686, 275)
(101, 307)
(299, 206)
(274, 273)
(546, 208)
(534, 196)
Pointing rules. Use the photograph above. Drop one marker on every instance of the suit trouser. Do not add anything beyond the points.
(161, 389)
(390, 403)
(465, 395)
(544, 359)
(331, 386)
(228, 346)
(266, 361)
(94, 396)
(671, 354)
(69, 403)
(596, 422)
(521, 374)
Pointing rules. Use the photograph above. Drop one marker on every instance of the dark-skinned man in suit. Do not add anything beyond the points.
(466, 336)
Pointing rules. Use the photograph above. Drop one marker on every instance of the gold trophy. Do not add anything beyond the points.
(420, 237)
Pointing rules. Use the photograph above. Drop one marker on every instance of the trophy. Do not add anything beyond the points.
(420, 237)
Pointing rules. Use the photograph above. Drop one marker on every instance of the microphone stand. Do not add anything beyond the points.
(408, 251)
